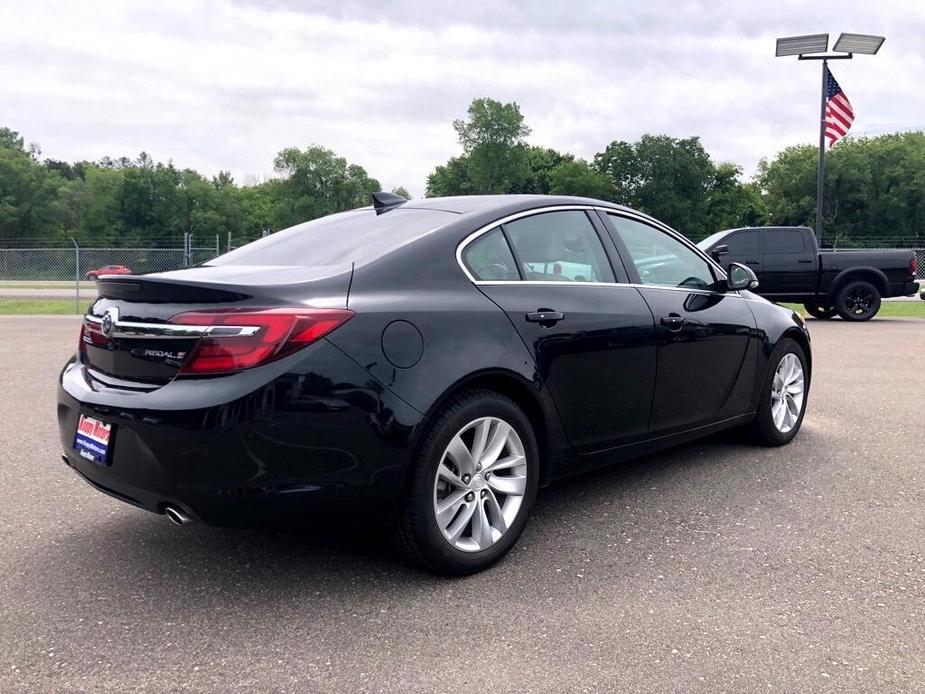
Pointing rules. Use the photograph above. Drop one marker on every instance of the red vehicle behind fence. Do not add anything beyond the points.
(109, 270)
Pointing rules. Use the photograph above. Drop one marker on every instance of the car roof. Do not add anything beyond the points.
(462, 204)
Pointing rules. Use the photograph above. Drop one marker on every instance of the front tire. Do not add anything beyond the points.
(473, 485)
(820, 311)
(784, 390)
(858, 301)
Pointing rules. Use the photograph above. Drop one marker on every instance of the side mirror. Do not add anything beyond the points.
(719, 251)
(740, 276)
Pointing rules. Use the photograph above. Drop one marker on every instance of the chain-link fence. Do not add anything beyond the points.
(35, 273)
(78, 263)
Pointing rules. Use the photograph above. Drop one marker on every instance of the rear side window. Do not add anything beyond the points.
(559, 247)
(357, 236)
(490, 258)
(783, 241)
(743, 243)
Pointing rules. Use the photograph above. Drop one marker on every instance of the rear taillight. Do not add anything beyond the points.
(913, 267)
(91, 333)
(273, 333)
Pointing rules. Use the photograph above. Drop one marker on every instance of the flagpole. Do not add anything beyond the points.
(820, 176)
(809, 47)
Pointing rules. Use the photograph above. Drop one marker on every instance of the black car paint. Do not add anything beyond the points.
(340, 421)
(800, 272)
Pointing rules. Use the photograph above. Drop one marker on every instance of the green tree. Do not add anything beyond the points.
(30, 206)
(788, 185)
(402, 191)
(540, 163)
(493, 140)
(101, 221)
(731, 203)
(317, 182)
(451, 178)
(576, 177)
(874, 187)
(666, 177)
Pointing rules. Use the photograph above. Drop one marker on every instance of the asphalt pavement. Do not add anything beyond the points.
(717, 566)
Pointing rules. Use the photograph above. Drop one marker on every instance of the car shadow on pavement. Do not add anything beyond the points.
(131, 552)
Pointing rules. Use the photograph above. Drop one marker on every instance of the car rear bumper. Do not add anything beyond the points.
(300, 444)
(224, 508)
(910, 289)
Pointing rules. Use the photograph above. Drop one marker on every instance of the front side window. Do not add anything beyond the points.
(559, 247)
(661, 259)
(489, 258)
(743, 243)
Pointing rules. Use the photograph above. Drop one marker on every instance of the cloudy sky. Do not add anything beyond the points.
(224, 85)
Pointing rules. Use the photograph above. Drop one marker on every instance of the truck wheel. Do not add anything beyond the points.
(820, 311)
(857, 301)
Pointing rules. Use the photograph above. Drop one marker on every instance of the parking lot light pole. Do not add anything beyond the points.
(815, 47)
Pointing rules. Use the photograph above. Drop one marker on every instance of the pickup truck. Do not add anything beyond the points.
(790, 267)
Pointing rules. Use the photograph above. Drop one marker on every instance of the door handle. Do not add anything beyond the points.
(673, 321)
(752, 262)
(805, 261)
(545, 317)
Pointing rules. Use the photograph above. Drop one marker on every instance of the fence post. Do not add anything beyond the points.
(228, 247)
(217, 250)
(76, 276)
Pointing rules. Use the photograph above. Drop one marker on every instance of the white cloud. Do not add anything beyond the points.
(219, 85)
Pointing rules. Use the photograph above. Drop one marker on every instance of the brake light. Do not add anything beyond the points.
(277, 332)
(913, 267)
(91, 333)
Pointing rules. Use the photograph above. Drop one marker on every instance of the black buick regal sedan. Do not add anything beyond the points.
(437, 360)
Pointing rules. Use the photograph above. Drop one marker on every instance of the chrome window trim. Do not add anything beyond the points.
(686, 290)
(169, 331)
(504, 220)
(655, 224)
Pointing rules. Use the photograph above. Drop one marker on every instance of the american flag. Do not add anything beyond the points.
(838, 112)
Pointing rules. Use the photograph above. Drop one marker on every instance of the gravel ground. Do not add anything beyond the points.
(714, 567)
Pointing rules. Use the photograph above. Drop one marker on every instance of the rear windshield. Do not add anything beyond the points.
(357, 236)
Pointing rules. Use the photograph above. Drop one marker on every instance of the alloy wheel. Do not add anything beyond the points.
(860, 301)
(480, 484)
(787, 391)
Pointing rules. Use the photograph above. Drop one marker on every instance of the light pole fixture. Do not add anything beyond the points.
(815, 47)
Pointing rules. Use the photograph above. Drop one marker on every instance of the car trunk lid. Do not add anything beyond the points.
(132, 336)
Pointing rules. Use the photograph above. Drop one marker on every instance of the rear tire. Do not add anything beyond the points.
(777, 422)
(858, 301)
(456, 520)
(820, 311)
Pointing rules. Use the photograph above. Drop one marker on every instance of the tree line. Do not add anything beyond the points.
(875, 187)
(140, 202)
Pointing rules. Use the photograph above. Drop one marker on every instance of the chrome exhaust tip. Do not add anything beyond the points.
(176, 516)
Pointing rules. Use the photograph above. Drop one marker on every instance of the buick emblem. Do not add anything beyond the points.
(109, 321)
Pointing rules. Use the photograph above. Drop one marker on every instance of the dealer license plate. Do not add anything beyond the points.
(92, 439)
